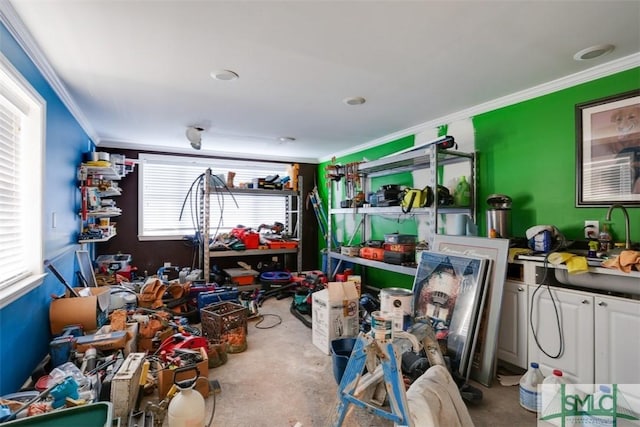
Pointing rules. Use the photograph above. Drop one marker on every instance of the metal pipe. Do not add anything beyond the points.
(627, 233)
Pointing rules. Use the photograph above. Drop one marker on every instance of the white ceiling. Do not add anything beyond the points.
(137, 73)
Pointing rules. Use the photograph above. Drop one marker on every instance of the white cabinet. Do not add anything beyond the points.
(512, 339)
(600, 333)
(617, 340)
(562, 327)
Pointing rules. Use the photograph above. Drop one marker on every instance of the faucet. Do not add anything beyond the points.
(627, 233)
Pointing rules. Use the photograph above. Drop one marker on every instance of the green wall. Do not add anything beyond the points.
(527, 151)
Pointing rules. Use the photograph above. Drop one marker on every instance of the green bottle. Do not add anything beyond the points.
(462, 194)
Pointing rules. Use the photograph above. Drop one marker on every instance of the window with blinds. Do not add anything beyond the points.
(21, 147)
(170, 198)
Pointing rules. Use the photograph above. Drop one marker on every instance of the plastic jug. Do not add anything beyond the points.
(529, 394)
(187, 408)
(550, 389)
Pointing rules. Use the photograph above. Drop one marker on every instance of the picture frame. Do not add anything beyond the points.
(484, 360)
(448, 293)
(608, 151)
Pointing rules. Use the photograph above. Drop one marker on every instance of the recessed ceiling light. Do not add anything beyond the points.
(225, 75)
(286, 139)
(593, 52)
(354, 100)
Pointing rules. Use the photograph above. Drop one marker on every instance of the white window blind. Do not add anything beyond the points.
(22, 116)
(609, 179)
(12, 228)
(169, 187)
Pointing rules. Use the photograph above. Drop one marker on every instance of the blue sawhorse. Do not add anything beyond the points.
(382, 365)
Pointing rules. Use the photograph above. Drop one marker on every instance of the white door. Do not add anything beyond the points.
(512, 341)
(617, 340)
(572, 342)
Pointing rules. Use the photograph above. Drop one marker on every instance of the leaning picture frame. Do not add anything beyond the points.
(448, 293)
(486, 350)
(608, 150)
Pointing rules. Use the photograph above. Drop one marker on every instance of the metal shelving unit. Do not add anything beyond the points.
(428, 158)
(87, 174)
(293, 222)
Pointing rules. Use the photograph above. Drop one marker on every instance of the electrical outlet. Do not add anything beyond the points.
(591, 229)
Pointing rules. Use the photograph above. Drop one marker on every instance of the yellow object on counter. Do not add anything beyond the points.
(575, 264)
(514, 252)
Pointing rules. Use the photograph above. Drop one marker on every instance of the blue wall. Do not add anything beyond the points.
(24, 324)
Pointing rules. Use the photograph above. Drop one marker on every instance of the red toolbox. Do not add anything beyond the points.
(279, 244)
(372, 253)
(400, 247)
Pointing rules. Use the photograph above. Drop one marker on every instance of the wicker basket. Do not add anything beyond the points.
(225, 321)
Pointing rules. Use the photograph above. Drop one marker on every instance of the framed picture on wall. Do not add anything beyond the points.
(608, 150)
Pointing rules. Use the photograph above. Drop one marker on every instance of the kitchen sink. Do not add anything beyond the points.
(608, 280)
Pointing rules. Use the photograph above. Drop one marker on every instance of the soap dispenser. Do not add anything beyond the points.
(604, 239)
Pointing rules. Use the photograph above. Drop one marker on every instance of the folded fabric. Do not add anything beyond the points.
(626, 261)
(575, 264)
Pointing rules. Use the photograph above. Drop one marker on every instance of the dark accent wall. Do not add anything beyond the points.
(150, 255)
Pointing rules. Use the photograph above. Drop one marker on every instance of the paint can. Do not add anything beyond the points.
(381, 326)
(397, 301)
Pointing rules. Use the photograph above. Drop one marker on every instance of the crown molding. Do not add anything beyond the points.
(16, 27)
(602, 70)
(126, 145)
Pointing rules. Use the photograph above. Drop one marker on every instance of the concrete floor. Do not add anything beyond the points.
(282, 379)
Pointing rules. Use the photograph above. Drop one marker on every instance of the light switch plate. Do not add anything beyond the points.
(591, 229)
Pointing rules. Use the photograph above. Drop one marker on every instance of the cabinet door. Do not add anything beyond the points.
(512, 341)
(575, 310)
(617, 340)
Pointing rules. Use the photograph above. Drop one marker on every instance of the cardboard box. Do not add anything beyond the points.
(89, 311)
(109, 341)
(131, 344)
(334, 314)
(166, 377)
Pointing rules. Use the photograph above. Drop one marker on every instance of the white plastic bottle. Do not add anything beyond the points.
(529, 394)
(187, 409)
(550, 391)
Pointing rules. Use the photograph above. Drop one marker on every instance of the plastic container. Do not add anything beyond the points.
(226, 321)
(551, 388)
(186, 409)
(602, 399)
(91, 415)
(604, 238)
(340, 353)
(462, 193)
(529, 393)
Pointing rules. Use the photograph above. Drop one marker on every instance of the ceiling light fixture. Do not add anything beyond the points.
(286, 139)
(594, 52)
(354, 100)
(224, 75)
(194, 135)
